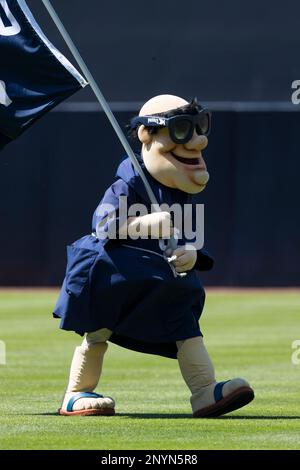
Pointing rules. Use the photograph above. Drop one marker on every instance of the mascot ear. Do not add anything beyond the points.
(144, 135)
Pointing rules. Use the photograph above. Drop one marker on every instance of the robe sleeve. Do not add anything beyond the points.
(204, 261)
(106, 217)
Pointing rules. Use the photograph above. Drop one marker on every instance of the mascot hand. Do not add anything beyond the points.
(155, 225)
(186, 257)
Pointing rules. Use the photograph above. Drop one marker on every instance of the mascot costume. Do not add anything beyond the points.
(122, 286)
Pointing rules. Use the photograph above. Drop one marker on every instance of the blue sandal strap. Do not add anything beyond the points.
(81, 395)
(218, 395)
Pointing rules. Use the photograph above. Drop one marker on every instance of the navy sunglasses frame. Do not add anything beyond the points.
(161, 121)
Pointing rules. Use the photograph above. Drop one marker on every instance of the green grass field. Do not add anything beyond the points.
(248, 334)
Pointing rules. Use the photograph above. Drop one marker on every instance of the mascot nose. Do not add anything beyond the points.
(197, 142)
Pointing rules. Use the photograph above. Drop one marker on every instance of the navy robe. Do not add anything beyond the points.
(132, 289)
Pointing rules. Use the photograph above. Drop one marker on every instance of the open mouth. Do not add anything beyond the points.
(186, 161)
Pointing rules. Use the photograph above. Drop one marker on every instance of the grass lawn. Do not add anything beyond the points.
(248, 334)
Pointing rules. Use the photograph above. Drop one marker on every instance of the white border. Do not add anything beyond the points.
(60, 57)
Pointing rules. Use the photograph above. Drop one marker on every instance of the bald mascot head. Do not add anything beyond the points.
(172, 132)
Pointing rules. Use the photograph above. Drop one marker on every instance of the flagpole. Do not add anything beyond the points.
(172, 242)
(101, 99)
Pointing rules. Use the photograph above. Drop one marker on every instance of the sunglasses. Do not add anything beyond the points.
(180, 127)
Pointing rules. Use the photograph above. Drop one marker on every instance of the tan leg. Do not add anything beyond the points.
(195, 364)
(198, 372)
(86, 370)
(87, 362)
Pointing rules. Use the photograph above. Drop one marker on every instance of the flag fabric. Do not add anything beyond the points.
(34, 75)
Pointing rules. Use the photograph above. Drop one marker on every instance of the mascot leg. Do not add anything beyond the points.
(209, 398)
(85, 373)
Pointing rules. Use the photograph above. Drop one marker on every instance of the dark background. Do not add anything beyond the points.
(239, 58)
(219, 50)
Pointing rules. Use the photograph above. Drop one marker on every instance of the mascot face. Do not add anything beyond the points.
(172, 145)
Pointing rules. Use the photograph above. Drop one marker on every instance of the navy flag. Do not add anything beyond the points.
(34, 75)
